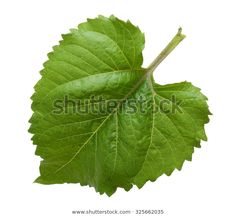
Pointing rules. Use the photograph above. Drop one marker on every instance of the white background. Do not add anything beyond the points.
(207, 58)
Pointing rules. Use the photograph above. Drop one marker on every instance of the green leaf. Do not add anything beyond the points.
(149, 130)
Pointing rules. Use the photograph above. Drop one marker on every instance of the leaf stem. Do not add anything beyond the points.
(166, 51)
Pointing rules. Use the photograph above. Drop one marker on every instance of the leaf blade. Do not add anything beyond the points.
(117, 147)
